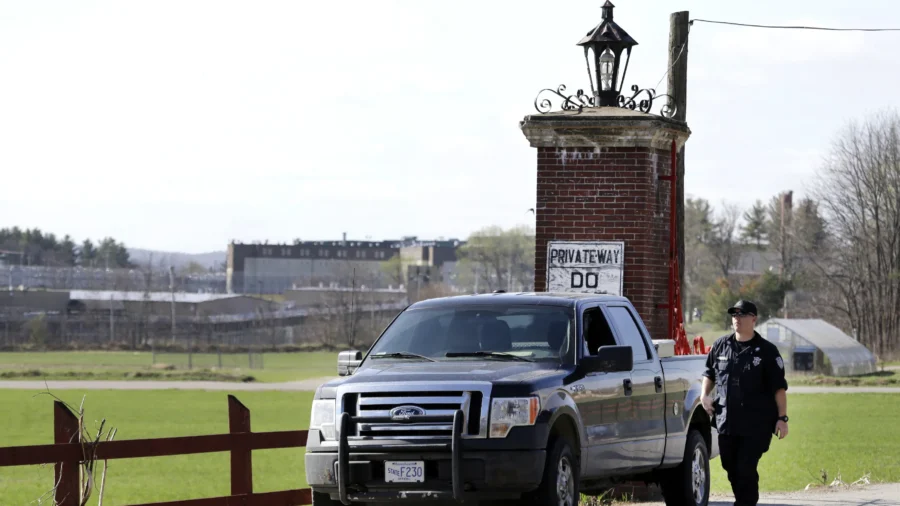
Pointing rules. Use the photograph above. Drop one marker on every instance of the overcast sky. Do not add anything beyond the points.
(181, 125)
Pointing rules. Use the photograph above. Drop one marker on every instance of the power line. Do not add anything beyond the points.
(785, 27)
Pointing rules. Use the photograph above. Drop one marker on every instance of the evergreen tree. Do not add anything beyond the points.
(755, 228)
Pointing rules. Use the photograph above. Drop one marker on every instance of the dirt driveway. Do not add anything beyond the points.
(871, 495)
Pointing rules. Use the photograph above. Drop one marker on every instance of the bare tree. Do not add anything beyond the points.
(394, 270)
(500, 259)
(699, 271)
(344, 306)
(859, 192)
(723, 246)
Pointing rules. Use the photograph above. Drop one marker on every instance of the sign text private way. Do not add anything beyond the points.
(585, 267)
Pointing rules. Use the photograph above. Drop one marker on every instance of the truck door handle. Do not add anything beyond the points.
(659, 384)
(627, 387)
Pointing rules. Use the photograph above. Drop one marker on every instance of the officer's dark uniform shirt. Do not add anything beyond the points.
(746, 376)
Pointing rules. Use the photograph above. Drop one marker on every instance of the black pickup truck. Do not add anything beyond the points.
(535, 398)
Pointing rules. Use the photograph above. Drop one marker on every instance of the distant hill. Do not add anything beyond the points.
(215, 259)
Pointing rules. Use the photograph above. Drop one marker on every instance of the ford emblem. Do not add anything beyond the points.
(406, 412)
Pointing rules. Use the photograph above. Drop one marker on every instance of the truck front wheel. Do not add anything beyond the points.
(688, 484)
(561, 472)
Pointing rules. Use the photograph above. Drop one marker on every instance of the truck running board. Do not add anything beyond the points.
(343, 474)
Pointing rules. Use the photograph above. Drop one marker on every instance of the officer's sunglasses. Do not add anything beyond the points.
(738, 314)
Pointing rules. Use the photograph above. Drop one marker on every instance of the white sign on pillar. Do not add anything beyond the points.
(586, 266)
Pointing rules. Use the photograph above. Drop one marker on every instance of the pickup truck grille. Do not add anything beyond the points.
(380, 404)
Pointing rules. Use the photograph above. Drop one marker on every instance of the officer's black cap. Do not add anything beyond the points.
(744, 306)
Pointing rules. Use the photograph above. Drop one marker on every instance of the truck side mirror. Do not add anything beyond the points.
(609, 359)
(348, 361)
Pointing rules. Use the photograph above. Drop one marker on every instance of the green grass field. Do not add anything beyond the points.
(125, 365)
(848, 434)
(147, 414)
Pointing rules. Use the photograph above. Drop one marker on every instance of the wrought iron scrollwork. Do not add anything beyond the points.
(578, 101)
(581, 100)
(646, 104)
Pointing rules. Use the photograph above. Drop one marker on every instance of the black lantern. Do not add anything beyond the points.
(603, 48)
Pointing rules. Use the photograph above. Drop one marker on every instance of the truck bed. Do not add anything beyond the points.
(684, 379)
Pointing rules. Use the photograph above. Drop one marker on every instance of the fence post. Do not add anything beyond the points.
(241, 463)
(66, 475)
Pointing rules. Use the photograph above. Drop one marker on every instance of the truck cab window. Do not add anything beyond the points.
(471, 332)
(596, 331)
(629, 332)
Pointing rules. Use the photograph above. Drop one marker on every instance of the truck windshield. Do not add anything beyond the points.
(501, 332)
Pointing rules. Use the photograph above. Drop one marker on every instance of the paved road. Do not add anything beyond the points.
(302, 386)
(872, 495)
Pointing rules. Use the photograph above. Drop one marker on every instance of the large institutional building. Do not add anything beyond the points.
(274, 268)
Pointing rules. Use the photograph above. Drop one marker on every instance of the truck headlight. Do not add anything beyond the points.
(322, 418)
(509, 413)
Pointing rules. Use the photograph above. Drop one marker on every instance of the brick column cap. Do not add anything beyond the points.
(603, 127)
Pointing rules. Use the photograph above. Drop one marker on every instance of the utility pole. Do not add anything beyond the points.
(787, 206)
(112, 322)
(172, 289)
(679, 26)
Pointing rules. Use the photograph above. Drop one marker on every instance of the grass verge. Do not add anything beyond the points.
(889, 378)
(846, 435)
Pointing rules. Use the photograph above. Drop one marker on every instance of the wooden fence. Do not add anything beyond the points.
(67, 453)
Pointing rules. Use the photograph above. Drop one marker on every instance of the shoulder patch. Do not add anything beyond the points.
(779, 362)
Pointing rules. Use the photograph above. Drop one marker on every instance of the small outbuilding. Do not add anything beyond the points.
(816, 346)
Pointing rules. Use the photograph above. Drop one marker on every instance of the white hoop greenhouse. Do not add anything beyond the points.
(816, 346)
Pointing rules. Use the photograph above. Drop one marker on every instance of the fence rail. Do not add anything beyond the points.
(68, 453)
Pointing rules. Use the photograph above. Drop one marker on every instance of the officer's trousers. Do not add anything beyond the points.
(740, 455)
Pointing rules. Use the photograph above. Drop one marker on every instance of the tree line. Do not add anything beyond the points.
(754, 253)
(33, 247)
(836, 253)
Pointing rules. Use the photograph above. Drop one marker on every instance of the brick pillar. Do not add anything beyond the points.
(598, 180)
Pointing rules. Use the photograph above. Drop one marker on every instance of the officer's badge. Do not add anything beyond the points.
(779, 362)
(756, 361)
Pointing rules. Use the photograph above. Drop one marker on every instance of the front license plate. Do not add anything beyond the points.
(404, 472)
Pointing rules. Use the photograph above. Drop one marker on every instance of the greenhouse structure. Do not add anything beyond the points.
(816, 346)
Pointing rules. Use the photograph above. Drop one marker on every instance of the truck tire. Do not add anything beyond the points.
(688, 484)
(561, 476)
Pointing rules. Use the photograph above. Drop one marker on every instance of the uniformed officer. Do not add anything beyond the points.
(750, 402)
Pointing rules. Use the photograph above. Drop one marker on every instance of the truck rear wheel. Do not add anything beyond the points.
(688, 484)
(559, 486)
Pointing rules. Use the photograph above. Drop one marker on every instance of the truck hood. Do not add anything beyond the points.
(493, 371)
